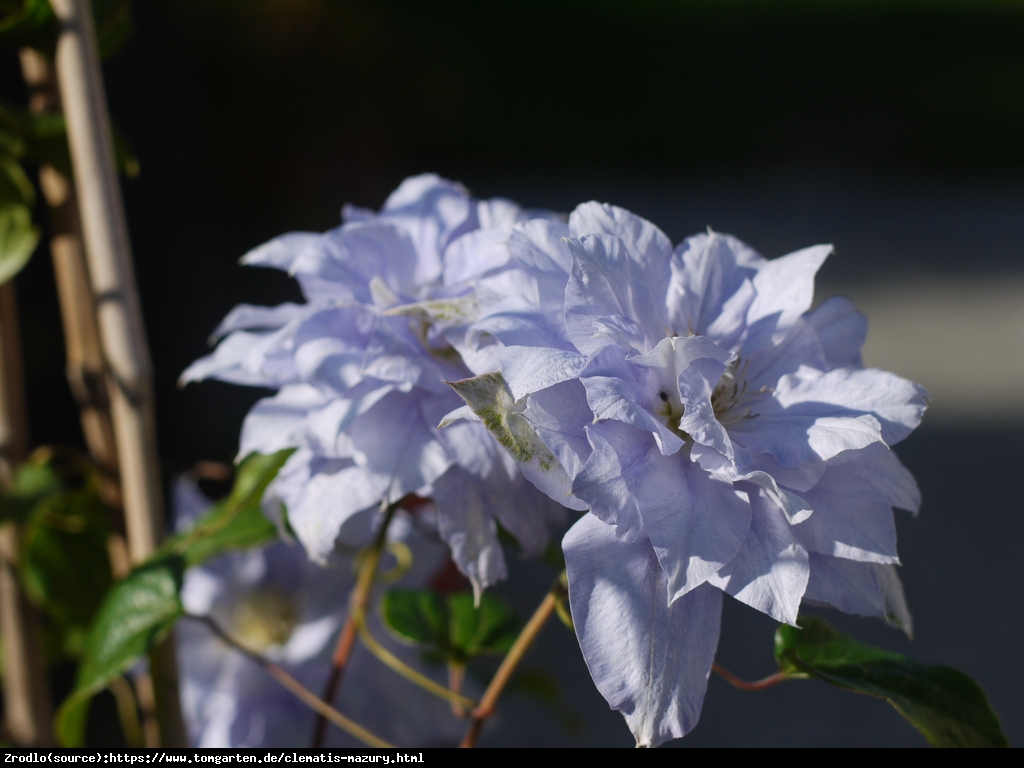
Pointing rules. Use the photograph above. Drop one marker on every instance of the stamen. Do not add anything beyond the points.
(264, 619)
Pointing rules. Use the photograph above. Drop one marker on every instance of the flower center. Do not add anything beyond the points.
(264, 619)
(729, 391)
(432, 340)
(729, 399)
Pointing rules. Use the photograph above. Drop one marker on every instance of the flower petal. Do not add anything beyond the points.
(851, 519)
(650, 660)
(842, 330)
(771, 569)
(615, 390)
(605, 301)
(696, 521)
(489, 398)
(609, 481)
(785, 289)
(867, 589)
(709, 295)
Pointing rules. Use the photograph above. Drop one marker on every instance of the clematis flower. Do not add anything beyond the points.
(280, 604)
(724, 437)
(360, 371)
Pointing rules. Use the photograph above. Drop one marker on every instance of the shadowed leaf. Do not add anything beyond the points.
(945, 705)
(136, 614)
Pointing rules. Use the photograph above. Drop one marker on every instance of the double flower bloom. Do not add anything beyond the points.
(723, 436)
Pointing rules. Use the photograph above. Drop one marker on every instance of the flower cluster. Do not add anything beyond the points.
(720, 435)
(361, 367)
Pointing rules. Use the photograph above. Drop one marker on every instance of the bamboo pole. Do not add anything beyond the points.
(86, 368)
(119, 314)
(29, 711)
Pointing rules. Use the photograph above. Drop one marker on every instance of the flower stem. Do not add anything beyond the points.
(456, 676)
(389, 659)
(515, 655)
(745, 685)
(358, 601)
(127, 712)
(297, 689)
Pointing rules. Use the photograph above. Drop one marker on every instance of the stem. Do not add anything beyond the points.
(515, 655)
(389, 659)
(358, 602)
(130, 386)
(300, 691)
(456, 677)
(124, 697)
(745, 685)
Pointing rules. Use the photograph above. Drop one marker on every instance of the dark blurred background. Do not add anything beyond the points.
(891, 128)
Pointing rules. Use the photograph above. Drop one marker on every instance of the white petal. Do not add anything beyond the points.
(842, 330)
(785, 289)
(609, 481)
(278, 422)
(254, 318)
(867, 589)
(696, 521)
(771, 570)
(650, 660)
(467, 527)
(615, 390)
(604, 299)
(560, 416)
(710, 294)
(489, 398)
(851, 519)
(530, 369)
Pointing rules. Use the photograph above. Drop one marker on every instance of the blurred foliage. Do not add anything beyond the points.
(236, 522)
(450, 627)
(63, 561)
(32, 23)
(136, 614)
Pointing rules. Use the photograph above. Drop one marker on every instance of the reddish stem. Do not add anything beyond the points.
(746, 685)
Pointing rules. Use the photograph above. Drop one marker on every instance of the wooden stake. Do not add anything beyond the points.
(119, 313)
(26, 690)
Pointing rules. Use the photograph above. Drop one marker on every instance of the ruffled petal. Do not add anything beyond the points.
(709, 294)
(696, 521)
(771, 569)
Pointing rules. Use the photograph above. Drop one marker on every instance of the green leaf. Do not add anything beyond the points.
(453, 628)
(18, 240)
(26, 22)
(32, 23)
(32, 483)
(15, 186)
(945, 705)
(64, 563)
(113, 25)
(490, 628)
(136, 615)
(237, 522)
(416, 616)
(41, 137)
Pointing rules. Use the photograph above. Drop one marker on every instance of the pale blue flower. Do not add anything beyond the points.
(724, 436)
(360, 371)
(290, 610)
